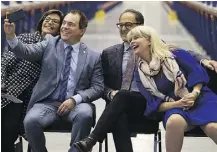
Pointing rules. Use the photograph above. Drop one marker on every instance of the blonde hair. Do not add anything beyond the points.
(158, 48)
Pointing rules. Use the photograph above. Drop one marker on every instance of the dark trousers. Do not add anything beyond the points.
(213, 80)
(11, 117)
(126, 105)
(121, 134)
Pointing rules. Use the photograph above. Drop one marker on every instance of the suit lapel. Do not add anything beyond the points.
(81, 61)
(60, 58)
(119, 57)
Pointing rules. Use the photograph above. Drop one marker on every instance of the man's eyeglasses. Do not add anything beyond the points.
(127, 25)
(48, 19)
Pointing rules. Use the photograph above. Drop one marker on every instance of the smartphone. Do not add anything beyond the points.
(16, 16)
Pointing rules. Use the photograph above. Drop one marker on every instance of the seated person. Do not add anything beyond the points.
(123, 104)
(174, 84)
(19, 76)
(71, 79)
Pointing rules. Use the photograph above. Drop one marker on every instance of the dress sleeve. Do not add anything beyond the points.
(195, 73)
(198, 57)
(152, 102)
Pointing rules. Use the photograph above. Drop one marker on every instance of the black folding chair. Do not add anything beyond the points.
(213, 80)
(61, 126)
(196, 132)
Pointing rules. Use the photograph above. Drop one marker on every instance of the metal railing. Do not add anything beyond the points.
(200, 19)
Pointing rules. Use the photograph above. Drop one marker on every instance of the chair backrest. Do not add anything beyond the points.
(60, 126)
(196, 132)
(143, 126)
(213, 81)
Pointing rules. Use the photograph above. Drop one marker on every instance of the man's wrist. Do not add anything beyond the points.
(202, 61)
(73, 100)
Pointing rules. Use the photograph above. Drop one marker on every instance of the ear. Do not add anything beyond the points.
(83, 31)
(149, 43)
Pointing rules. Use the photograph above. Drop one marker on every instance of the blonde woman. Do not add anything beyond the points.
(174, 84)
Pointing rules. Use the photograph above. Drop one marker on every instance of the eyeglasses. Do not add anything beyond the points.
(48, 19)
(127, 25)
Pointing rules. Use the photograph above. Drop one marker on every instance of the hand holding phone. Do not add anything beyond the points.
(9, 28)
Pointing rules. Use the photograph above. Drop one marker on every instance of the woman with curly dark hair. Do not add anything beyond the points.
(20, 76)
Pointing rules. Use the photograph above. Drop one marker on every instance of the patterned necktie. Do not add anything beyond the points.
(66, 72)
(128, 74)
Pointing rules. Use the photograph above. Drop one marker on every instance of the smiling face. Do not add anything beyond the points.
(140, 45)
(70, 31)
(127, 22)
(146, 43)
(140, 40)
(51, 24)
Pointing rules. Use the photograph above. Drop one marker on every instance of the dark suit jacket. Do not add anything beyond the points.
(112, 58)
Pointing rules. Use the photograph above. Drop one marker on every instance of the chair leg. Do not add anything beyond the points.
(21, 143)
(100, 147)
(29, 148)
(155, 142)
(159, 141)
(106, 143)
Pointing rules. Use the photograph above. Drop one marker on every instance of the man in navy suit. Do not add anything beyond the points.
(71, 78)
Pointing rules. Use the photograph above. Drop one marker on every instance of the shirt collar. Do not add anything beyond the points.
(75, 46)
(126, 46)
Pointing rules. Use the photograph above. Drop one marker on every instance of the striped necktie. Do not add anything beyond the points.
(128, 74)
(66, 72)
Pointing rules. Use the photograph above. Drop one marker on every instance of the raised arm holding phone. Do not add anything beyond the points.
(19, 76)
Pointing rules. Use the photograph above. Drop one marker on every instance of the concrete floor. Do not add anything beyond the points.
(102, 34)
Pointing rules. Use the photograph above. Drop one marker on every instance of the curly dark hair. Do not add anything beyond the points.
(52, 11)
